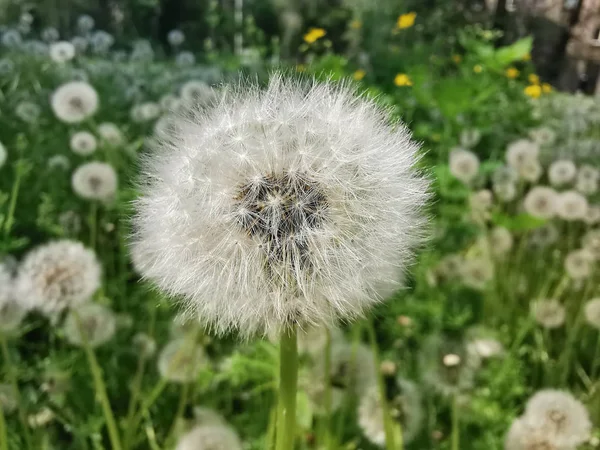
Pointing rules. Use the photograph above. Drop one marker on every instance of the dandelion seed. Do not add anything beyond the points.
(501, 241)
(144, 345)
(62, 51)
(541, 201)
(74, 101)
(56, 276)
(175, 38)
(571, 205)
(283, 206)
(85, 23)
(95, 181)
(578, 264)
(180, 360)
(543, 135)
(90, 322)
(110, 133)
(562, 172)
(83, 143)
(559, 415)
(477, 272)
(464, 165)
(210, 437)
(548, 313)
(197, 92)
(405, 408)
(524, 437)
(520, 152)
(470, 138)
(59, 162)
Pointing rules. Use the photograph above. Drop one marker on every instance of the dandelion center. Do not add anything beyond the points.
(281, 210)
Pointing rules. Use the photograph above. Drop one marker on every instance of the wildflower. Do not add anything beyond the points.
(406, 20)
(356, 24)
(197, 92)
(210, 437)
(543, 135)
(50, 34)
(59, 162)
(56, 276)
(181, 360)
(533, 91)
(110, 133)
(405, 407)
(83, 143)
(592, 216)
(578, 264)
(591, 243)
(571, 205)
(544, 236)
(359, 74)
(62, 51)
(531, 170)
(41, 418)
(520, 152)
(8, 400)
(28, 112)
(464, 165)
(560, 415)
(145, 112)
(546, 88)
(533, 78)
(92, 323)
(95, 181)
(74, 101)
(85, 23)
(313, 35)
(561, 172)
(541, 201)
(505, 192)
(402, 80)
(175, 38)
(521, 436)
(512, 72)
(11, 39)
(477, 68)
(548, 313)
(470, 138)
(501, 241)
(295, 245)
(485, 348)
(592, 312)
(477, 272)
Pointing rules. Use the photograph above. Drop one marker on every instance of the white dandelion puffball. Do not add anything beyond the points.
(292, 205)
(571, 205)
(521, 436)
(175, 38)
(470, 138)
(541, 201)
(520, 152)
(181, 360)
(11, 311)
(559, 415)
(477, 272)
(587, 187)
(56, 276)
(210, 437)
(169, 103)
(485, 348)
(543, 135)
(531, 171)
(588, 173)
(144, 345)
(578, 264)
(592, 216)
(548, 313)
(195, 92)
(561, 172)
(59, 162)
(591, 242)
(90, 322)
(3, 155)
(83, 143)
(95, 181)
(464, 165)
(74, 101)
(592, 312)
(145, 112)
(544, 236)
(501, 241)
(28, 112)
(110, 133)
(62, 51)
(505, 192)
(405, 408)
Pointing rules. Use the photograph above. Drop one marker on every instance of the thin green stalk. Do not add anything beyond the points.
(455, 424)
(271, 428)
(183, 399)
(10, 216)
(93, 223)
(596, 360)
(3, 435)
(100, 386)
(325, 438)
(288, 383)
(15, 386)
(391, 432)
(568, 353)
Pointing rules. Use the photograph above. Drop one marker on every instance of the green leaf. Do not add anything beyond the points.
(520, 222)
(514, 52)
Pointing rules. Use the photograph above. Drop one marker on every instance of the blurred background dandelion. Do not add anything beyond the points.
(490, 341)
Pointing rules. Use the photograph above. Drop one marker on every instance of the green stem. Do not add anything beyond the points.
(455, 427)
(10, 216)
(15, 386)
(271, 428)
(183, 399)
(288, 382)
(3, 435)
(391, 432)
(93, 224)
(325, 437)
(596, 360)
(100, 386)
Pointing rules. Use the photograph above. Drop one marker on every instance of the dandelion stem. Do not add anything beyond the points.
(93, 224)
(596, 359)
(183, 399)
(393, 434)
(3, 435)
(288, 381)
(15, 387)
(10, 216)
(325, 437)
(100, 386)
(455, 423)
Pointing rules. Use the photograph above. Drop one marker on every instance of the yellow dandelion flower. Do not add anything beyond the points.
(477, 68)
(512, 72)
(456, 58)
(402, 80)
(533, 90)
(359, 74)
(533, 78)
(526, 57)
(313, 35)
(406, 20)
(546, 88)
(356, 24)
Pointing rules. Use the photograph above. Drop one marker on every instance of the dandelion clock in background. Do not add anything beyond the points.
(561, 172)
(90, 324)
(210, 437)
(464, 165)
(56, 276)
(62, 51)
(3, 155)
(95, 181)
(11, 312)
(83, 143)
(74, 101)
(548, 313)
(293, 205)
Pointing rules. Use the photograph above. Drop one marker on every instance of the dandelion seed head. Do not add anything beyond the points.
(144, 345)
(571, 205)
(562, 172)
(90, 322)
(50, 34)
(181, 360)
(543, 136)
(541, 201)
(175, 37)
(591, 243)
(578, 264)
(531, 170)
(544, 236)
(28, 112)
(56, 276)
(505, 192)
(83, 143)
(477, 272)
(592, 216)
(185, 59)
(85, 23)
(470, 138)
(548, 313)
(592, 312)
(501, 241)
(521, 152)
(290, 205)
(59, 162)
(524, 437)
(464, 165)
(210, 437)
(74, 101)
(145, 112)
(198, 93)
(62, 51)
(95, 181)
(110, 133)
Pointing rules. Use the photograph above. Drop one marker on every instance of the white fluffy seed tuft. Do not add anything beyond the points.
(95, 181)
(74, 101)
